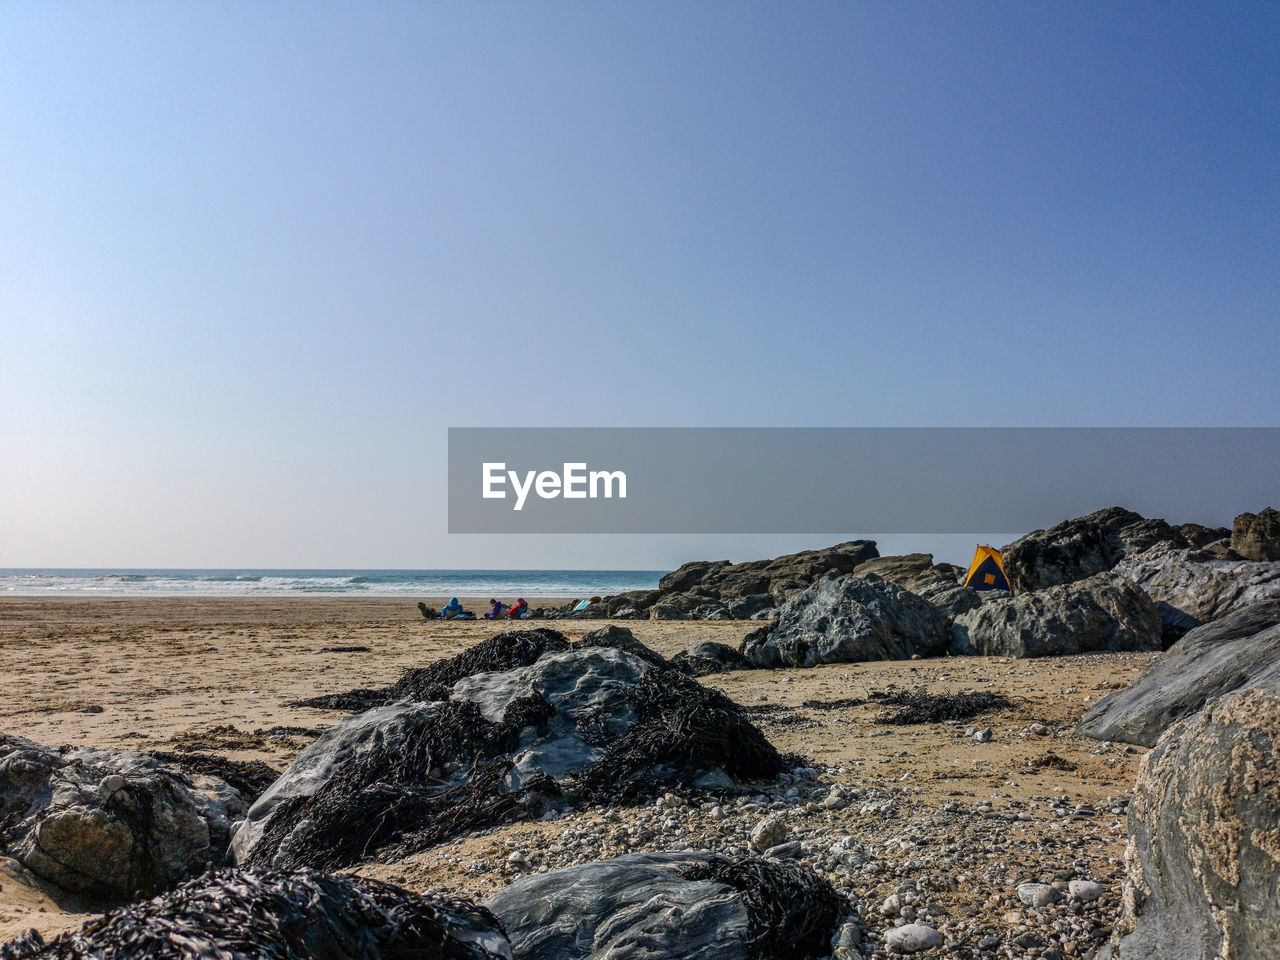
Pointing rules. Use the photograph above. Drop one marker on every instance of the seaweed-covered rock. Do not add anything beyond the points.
(1101, 613)
(1080, 548)
(696, 906)
(709, 657)
(298, 915)
(848, 620)
(1256, 536)
(1240, 650)
(593, 724)
(109, 826)
(1199, 582)
(1203, 861)
(515, 648)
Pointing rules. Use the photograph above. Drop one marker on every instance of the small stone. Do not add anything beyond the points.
(983, 735)
(1038, 894)
(1085, 889)
(110, 785)
(768, 833)
(913, 938)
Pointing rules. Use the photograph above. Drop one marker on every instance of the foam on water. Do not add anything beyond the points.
(504, 584)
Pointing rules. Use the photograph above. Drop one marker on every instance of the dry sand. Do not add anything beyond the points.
(219, 673)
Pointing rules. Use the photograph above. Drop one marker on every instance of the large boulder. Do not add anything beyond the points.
(591, 724)
(695, 906)
(1203, 858)
(1240, 650)
(1092, 544)
(1200, 583)
(1256, 536)
(1101, 613)
(301, 915)
(848, 620)
(109, 826)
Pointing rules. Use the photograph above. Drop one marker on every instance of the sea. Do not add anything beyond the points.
(500, 584)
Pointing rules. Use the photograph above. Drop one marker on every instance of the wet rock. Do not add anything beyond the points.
(1101, 613)
(1200, 584)
(848, 620)
(302, 915)
(1256, 536)
(1240, 650)
(1201, 862)
(691, 905)
(109, 826)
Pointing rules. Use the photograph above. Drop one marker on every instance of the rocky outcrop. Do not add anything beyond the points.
(109, 826)
(696, 906)
(1203, 858)
(590, 724)
(1103, 612)
(1256, 536)
(1200, 583)
(722, 580)
(1092, 544)
(1240, 650)
(301, 915)
(848, 620)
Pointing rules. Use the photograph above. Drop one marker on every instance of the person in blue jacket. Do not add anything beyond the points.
(452, 609)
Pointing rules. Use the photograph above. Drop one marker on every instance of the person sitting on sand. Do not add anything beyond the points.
(520, 610)
(497, 609)
(451, 610)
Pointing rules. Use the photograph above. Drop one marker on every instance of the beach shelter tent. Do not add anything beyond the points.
(987, 570)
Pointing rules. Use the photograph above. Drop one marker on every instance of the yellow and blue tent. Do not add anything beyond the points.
(987, 570)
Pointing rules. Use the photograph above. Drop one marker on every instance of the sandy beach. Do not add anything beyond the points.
(218, 675)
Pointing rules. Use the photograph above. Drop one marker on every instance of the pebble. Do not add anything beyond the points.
(1085, 890)
(768, 833)
(913, 938)
(1038, 894)
(983, 735)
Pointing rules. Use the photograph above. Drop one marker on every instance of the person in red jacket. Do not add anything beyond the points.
(520, 610)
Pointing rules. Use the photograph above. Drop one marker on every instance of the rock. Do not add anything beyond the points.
(1200, 584)
(983, 735)
(1089, 545)
(1174, 624)
(1038, 894)
(302, 915)
(1101, 613)
(593, 724)
(691, 905)
(1239, 650)
(848, 620)
(1086, 890)
(620, 638)
(110, 826)
(913, 938)
(1256, 536)
(1201, 877)
(768, 833)
(709, 657)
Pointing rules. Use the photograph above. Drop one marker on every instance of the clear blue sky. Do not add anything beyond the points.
(257, 258)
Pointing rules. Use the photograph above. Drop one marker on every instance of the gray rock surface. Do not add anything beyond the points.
(1199, 583)
(723, 580)
(109, 826)
(657, 905)
(1240, 650)
(1101, 613)
(1092, 544)
(1256, 536)
(849, 620)
(1203, 859)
